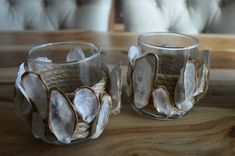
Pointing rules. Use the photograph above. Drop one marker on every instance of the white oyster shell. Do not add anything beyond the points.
(162, 101)
(86, 103)
(203, 74)
(143, 77)
(116, 89)
(186, 105)
(62, 117)
(20, 72)
(43, 59)
(75, 54)
(18, 83)
(36, 91)
(23, 106)
(102, 118)
(186, 86)
(133, 53)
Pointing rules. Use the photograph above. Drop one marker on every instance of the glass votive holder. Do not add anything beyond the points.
(65, 94)
(166, 75)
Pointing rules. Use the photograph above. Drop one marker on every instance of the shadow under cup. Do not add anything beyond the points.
(169, 74)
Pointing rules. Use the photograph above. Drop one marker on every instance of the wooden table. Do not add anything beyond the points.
(209, 129)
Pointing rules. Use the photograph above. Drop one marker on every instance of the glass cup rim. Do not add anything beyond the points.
(194, 44)
(41, 46)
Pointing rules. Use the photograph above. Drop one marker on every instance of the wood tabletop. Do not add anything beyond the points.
(209, 129)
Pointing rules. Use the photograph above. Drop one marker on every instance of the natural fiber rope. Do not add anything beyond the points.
(68, 77)
(169, 81)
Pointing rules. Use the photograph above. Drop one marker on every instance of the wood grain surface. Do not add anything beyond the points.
(209, 129)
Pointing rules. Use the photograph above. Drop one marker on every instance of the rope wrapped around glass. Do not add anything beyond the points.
(166, 75)
(65, 94)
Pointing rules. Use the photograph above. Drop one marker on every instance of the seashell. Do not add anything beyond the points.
(162, 101)
(99, 87)
(43, 59)
(86, 103)
(186, 105)
(38, 127)
(190, 76)
(143, 76)
(203, 74)
(203, 82)
(21, 101)
(36, 91)
(75, 54)
(116, 89)
(186, 86)
(81, 131)
(133, 53)
(62, 116)
(20, 72)
(102, 118)
(18, 84)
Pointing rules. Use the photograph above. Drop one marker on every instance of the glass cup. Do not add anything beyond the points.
(167, 74)
(81, 60)
(57, 93)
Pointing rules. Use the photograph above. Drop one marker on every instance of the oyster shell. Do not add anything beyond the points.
(43, 59)
(86, 103)
(102, 118)
(186, 86)
(203, 74)
(186, 105)
(62, 116)
(190, 77)
(75, 54)
(21, 101)
(18, 84)
(162, 101)
(143, 76)
(81, 131)
(116, 89)
(20, 72)
(36, 91)
(38, 127)
(133, 54)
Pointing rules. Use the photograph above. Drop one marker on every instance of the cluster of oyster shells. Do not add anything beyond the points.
(82, 114)
(167, 95)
